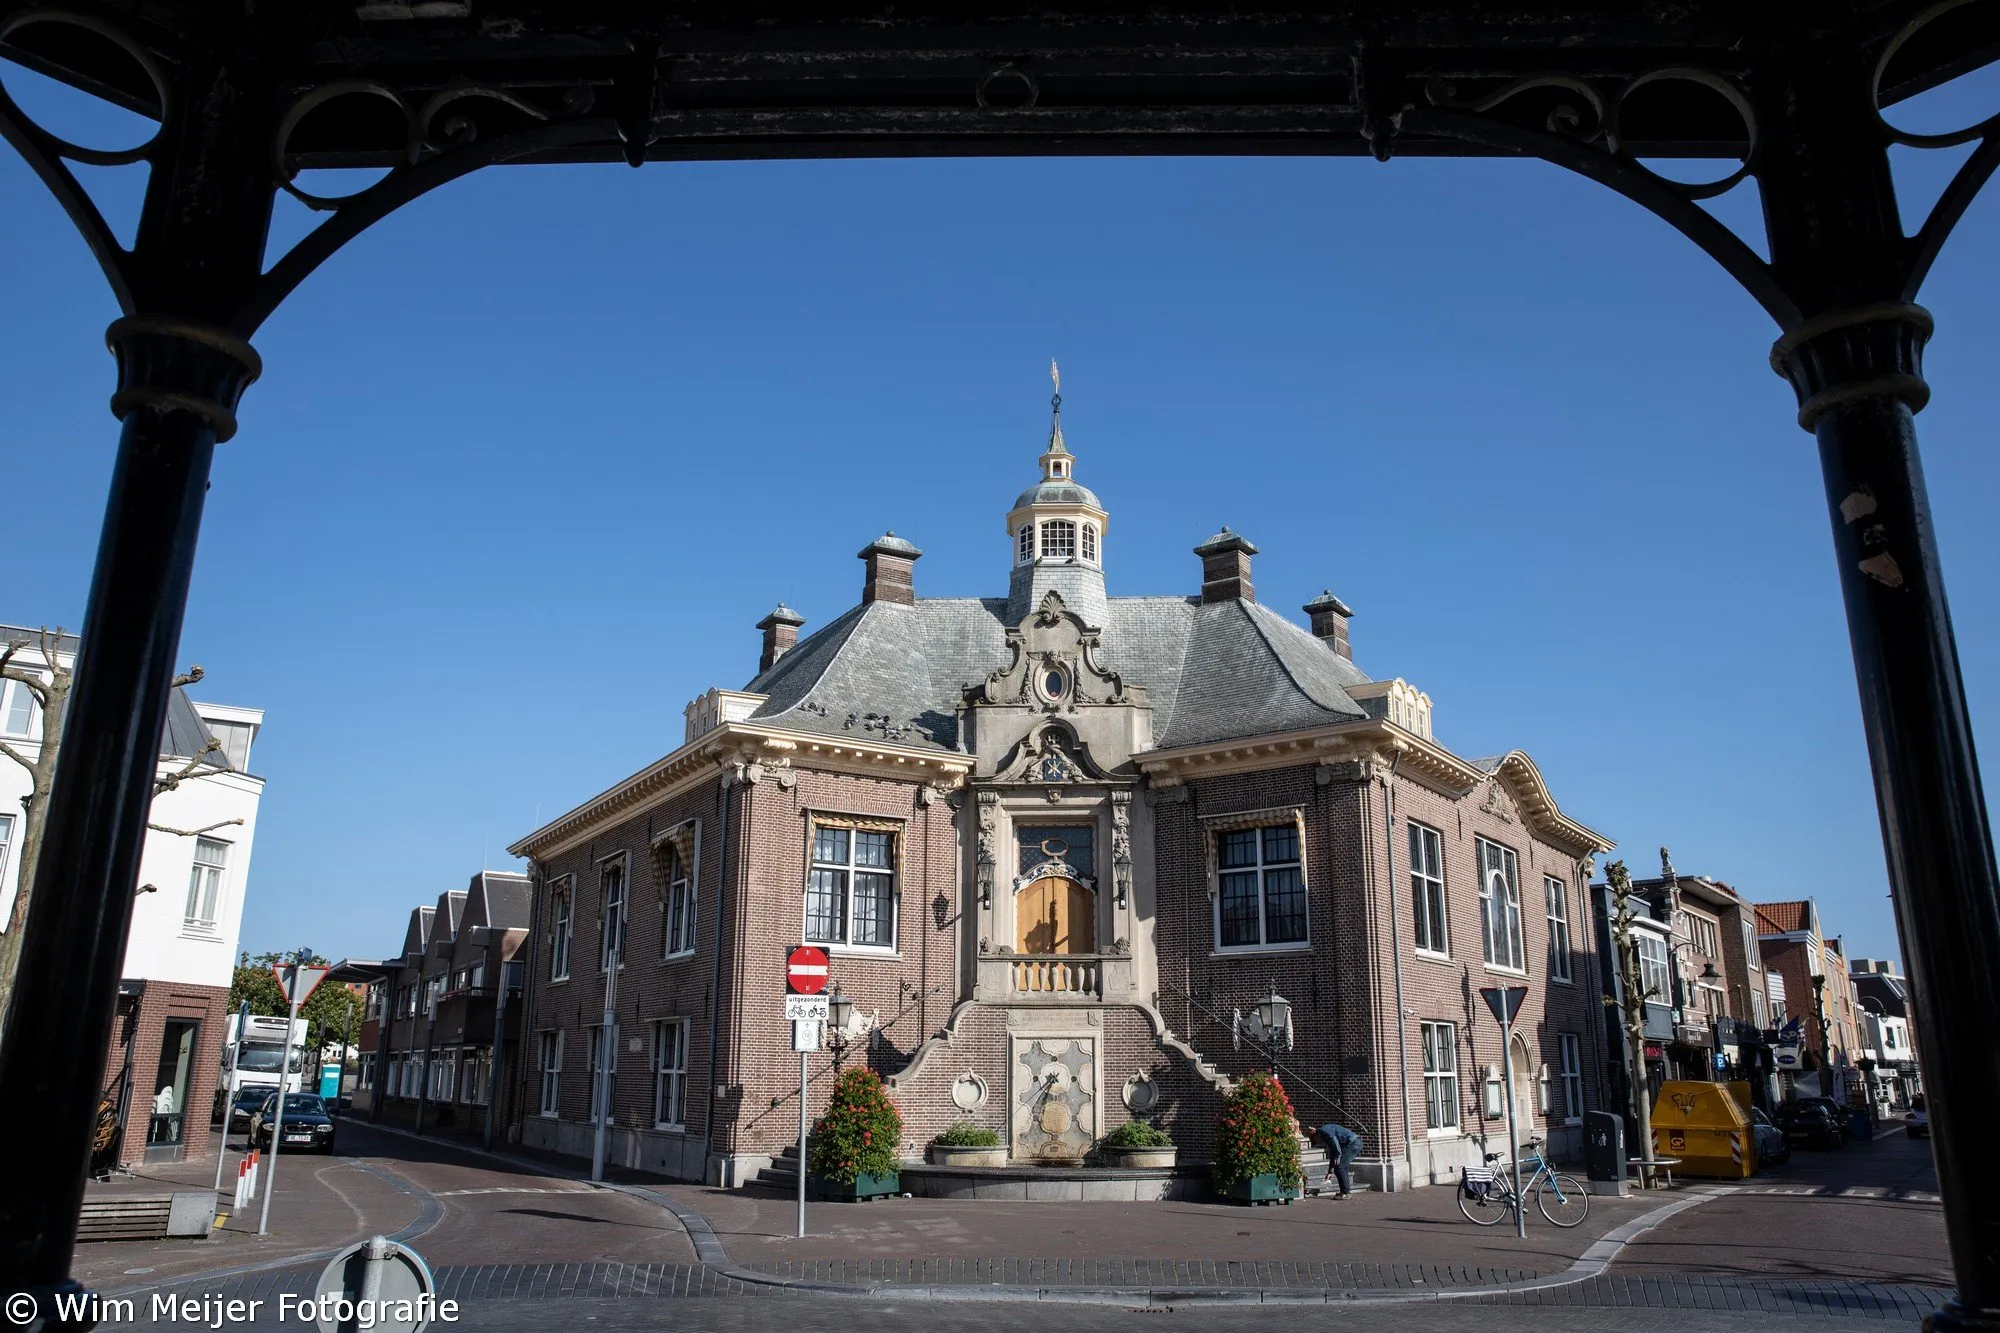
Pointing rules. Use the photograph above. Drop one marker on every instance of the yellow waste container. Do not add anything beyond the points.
(1701, 1124)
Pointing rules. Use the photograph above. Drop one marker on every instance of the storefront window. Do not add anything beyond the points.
(170, 1082)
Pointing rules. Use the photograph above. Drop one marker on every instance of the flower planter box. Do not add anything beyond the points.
(1140, 1158)
(943, 1154)
(863, 1188)
(1260, 1189)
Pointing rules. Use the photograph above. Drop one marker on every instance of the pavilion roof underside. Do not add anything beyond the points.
(796, 80)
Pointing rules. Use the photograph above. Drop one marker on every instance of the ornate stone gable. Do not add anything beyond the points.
(1054, 666)
(1051, 755)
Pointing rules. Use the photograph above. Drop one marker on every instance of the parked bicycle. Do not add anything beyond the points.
(1486, 1194)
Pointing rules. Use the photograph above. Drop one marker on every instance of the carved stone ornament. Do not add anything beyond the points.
(1140, 1094)
(1177, 793)
(1052, 647)
(968, 1092)
(1051, 755)
(1497, 803)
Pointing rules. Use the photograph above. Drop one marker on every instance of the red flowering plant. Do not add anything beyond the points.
(1257, 1135)
(860, 1132)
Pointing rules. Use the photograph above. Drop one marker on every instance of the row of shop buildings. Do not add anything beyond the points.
(1758, 992)
(1057, 845)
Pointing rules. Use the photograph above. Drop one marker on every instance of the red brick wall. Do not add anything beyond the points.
(163, 1000)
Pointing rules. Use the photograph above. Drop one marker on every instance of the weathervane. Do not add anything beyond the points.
(1055, 406)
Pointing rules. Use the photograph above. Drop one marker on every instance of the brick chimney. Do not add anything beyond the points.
(781, 634)
(1225, 567)
(1329, 617)
(891, 565)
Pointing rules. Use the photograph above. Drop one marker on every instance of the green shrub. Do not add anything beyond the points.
(965, 1134)
(1257, 1135)
(1138, 1134)
(860, 1132)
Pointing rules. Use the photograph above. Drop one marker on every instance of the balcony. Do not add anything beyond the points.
(1054, 979)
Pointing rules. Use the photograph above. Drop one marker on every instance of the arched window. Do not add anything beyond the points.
(1059, 540)
(1090, 542)
(1026, 550)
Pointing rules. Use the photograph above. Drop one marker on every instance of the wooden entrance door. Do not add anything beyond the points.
(1055, 915)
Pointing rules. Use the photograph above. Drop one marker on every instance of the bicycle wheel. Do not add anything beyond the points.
(1562, 1199)
(1487, 1208)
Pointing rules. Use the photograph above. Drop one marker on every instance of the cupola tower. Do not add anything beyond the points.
(1056, 530)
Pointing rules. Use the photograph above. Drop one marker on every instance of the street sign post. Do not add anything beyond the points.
(1505, 1002)
(799, 1008)
(806, 970)
(806, 975)
(299, 980)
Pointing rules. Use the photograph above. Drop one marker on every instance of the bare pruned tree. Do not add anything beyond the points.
(1634, 991)
(38, 665)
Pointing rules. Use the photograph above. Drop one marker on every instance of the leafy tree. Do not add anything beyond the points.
(330, 1012)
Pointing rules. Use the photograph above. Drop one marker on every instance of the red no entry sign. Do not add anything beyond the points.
(805, 970)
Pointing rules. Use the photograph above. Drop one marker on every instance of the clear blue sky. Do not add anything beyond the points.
(530, 460)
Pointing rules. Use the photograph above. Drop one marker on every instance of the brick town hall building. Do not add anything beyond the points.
(1054, 841)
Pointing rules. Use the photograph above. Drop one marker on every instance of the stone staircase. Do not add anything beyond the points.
(783, 1172)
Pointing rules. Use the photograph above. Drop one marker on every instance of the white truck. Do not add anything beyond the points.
(261, 1057)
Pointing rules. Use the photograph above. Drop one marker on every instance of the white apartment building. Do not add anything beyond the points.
(161, 1069)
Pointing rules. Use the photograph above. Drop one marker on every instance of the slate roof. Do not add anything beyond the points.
(1053, 492)
(184, 734)
(1215, 671)
(498, 898)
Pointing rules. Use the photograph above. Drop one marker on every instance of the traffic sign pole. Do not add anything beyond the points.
(1505, 1002)
(806, 972)
(278, 1117)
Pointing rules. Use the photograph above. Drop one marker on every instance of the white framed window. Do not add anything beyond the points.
(550, 1064)
(365, 1080)
(1500, 907)
(1427, 901)
(1260, 892)
(561, 925)
(1569, 1053)
(6, 843)
(1758, 1013)
(392, 1085)
(1542, 1089)
(20, 711)
(472, 1078)
(1058, 539)
(204, 899)
(1751, 960)
(1496, 1093)
(670, 1043)
(1090, 542)
(611, 916)
(603, 1049)
(1440, 1042)
(677, 934)
(1024, 544)
(1653, 967)
(851, 890)
(1557, 894)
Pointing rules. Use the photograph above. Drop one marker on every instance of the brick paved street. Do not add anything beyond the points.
(1873, 1214)
(524, 1245)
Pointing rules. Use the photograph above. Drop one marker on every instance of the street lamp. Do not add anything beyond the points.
(1270, 1024)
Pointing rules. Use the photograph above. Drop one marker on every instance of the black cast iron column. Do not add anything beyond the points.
(180, 375)
(1856, 362)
